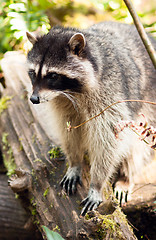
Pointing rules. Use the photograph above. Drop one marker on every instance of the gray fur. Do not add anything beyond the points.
(112, 64)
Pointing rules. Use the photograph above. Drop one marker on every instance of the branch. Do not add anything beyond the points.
(69, 127)
(141, 32)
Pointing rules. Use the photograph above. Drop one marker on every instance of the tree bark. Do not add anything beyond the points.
(37, 177)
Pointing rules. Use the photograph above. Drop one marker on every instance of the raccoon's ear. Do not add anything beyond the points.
(77, 43)
(31, 38)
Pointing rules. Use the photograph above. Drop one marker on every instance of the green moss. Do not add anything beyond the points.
(32, 200)
(107, 226)
(33, 172)
(5, 140)
(119, 214)
(38, 160)
(110, 225)
(53, 172)
(4, 102)
(56, 228)
(37, 222)
(33, 203)
(34, 177)
(16, 196)
(33, 212)
(33, 138)
(8, 159)
(21, 146)
(46, 192)
(33, 208)
(55, 152)
(87, 217)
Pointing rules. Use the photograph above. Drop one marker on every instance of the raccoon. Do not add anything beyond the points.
(79, 73)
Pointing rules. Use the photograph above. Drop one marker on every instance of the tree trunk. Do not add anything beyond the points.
(38, 177)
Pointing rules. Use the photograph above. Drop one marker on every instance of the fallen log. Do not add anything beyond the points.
(15, 221)
(40, 169)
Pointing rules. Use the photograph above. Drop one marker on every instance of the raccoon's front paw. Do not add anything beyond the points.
(91, 202)
(70, 180)
(122, 191)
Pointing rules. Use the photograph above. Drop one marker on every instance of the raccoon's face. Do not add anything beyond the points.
(57, 64)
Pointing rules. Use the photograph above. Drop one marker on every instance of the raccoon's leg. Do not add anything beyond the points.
(74, 152)
(122, 185)
(140, 155)
(99, 177)
(92, 201)
(71, 179)
(102, 168)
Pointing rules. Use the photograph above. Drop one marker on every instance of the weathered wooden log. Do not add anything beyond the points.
(38, 175)
(15, 221)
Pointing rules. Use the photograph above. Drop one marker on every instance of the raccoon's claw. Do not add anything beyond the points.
(122, 192)
(122, 196)
(70, 180)
(91, 202)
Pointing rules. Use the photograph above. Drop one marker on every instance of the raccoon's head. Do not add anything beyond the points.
(58, 64)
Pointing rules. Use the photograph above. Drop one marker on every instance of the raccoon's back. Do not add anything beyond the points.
(124, 42)
(126, 65)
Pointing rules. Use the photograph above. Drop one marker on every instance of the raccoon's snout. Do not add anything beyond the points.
(35, 99)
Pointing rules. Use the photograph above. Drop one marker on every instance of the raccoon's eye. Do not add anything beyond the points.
(51, 79)
(32, 75)
(51, 76)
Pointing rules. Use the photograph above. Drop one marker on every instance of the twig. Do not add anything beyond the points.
(142, 32)
(133, 226)
(69, 127)
(143, 187)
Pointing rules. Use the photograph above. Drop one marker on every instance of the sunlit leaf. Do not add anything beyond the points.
(18, 7)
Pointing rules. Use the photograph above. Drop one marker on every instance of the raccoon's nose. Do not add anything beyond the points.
(35, 99)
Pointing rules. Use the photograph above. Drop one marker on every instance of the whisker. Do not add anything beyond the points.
(47, 96)
(71, 98)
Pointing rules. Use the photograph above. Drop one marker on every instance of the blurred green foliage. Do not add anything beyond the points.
(17, 17)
